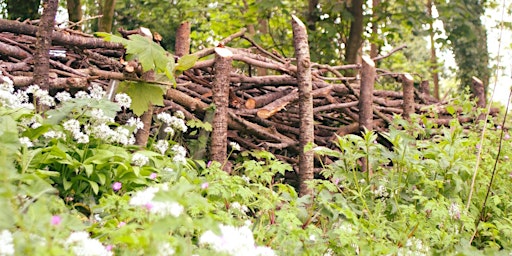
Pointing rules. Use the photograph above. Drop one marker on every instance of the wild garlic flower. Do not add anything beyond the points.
(145, 198)
(54, 135)
(96, 91)
(165, 249)
(162, 146)
(42, 95)
(72, 125)
(414, 246)
(139, 159)
(123, 100)
(135, 122)
(100, 117)
(172, 121)
(169, 130)
(234, 146)
(180, 154)
(234, 241)
(82, 245)
(237, 206)
(179, 114)
(82, 95)
(63, 96)
(26, 142)
(6, 243)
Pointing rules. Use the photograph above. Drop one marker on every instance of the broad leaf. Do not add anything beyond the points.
(186, 62)
(150, 55)
(143, 95)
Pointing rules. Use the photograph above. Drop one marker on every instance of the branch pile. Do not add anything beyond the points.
(263, 112)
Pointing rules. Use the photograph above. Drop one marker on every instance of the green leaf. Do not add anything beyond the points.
(150, 55)
(94, 186)
(143, 95)
(450, 109)
(186, 62)
(111, 38)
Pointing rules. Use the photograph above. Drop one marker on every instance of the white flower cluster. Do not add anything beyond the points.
(139, 159)
(63, 96)
(145, 198)
(96, 91)
(26, 142)
(123, 100)
(6, 243)
(165, 249)
(237, 206)
(234, 146)
(135, 122)
(42, 96)
(175, 123)
(180, 154)
(413, 246)
(11, 99)
(73, 126)
(381, 191)
(234, 241)
(162, 146)
(82, 245)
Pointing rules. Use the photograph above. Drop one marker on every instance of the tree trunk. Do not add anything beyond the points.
(305, 84)
(74, 11)
(355, 38)
(107, 10)
(368, 74)
(408, 92)
(182, 44)
(43, 44)
(220, 90)
(433, 55)
(313, 14)
(22, 9)
(374, 47)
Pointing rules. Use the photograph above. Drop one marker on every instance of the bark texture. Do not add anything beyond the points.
(304, 81)
(368, 75)
(408, 91)
(182, 44)
(478, 90)
(433, 53)
(74, 11)
(220, 90)
(107, 10)
(43, 43)
(355, 38)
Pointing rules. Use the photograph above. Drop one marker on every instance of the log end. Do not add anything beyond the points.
(264, 114)
(297, 21)
(368, 61)
(250, 103)
(223, 52)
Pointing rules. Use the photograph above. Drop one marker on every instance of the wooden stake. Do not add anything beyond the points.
(304, 79)
(408, 90)
(220, 90)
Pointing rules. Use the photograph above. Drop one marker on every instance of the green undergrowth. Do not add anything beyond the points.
(69, 188)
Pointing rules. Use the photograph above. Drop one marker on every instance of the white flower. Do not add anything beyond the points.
(63, 96)
(6, 243)
(234, 241)
(165, 249)
(54, 134)
(139, 159)
(26, 142)
(145, 198)
(123, 100)
(235, 146)
(454, 211)
(72, 125)
(169, 130)
(96, 91)
(100, 117)
(135, 122)
(82, 95)
(312, 238)
(381, 191)
(162, 146)
(180, 154)
(414, 246)
(34, 89)
(46, 100)
(82, 245)
(81, 138)
(168, 169)
(239, 207)
(179, 114)
(164, 117)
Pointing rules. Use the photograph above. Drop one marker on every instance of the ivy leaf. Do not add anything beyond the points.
(186, 62)
(143, 95)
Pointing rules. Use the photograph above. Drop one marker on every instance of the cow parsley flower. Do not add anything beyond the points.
(234, 241)
(82, 245)
(123, 100)
(6, 243)
(139, 159)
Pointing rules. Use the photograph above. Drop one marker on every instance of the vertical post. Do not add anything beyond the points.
(478, 90)
(425, 87)
(220, 90)
(182, 45)
(408, 95)
(368, 74)
(304, 80)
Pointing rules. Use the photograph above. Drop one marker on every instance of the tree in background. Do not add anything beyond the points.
(25, 9)
(467, 38)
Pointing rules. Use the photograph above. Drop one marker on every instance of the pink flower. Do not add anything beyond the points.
(121, 224)
(208, 164)
(56, 220)
(506, 137)
(205, 185)
(149, 206)
(117, 186)
(152, 176)
(108, 247)
(336, 181)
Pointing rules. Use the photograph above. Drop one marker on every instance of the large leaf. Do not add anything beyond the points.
(150, 55)
(143, 95)
(186, 62)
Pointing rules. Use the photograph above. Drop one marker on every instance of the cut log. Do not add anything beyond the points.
(408, 94)
(220, 90)
(368, 75)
